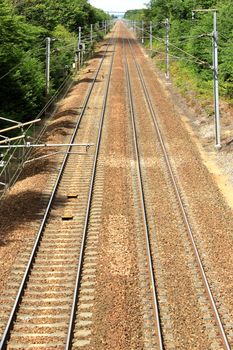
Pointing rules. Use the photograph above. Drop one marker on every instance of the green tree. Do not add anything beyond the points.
(21, 76)
(195, 37)
(24, 25)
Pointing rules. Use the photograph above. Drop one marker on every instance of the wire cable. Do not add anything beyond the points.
(10, 71)
(20, 63)
(197, 60)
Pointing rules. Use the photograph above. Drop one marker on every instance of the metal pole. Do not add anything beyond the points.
(215, 75)
(142, 32)
(79, 42)
(10, 120)
(167, 49)
(216, 87)
(91, 33)
(19, 125)
(7, 140)
(47, 70)
(42, 145)
(105, 27)
(82, 57)
(151, 38)
(76, 61)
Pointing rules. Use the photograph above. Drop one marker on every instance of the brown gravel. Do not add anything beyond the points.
(23, 205)
(168, 237)
(118, 319)
(117, 314)
(210, 215)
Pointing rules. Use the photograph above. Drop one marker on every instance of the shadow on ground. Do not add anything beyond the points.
(20, 209)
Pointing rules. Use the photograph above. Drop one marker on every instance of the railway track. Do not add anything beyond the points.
(145, 226)
(60, 297)
(210, 321)
(44, 311)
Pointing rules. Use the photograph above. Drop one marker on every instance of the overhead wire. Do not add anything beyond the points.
(10, 71)
(228, 41)
(197, 60)
(20, 63)
(52, 99)
(172, 56)
(39, 49)
(193, 37)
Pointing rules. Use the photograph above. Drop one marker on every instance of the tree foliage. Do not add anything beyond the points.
(24, 25)
(195, 36)
(134, 15)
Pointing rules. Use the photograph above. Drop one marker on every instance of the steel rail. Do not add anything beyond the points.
(143, 203)
(6, 334)
(181, 204)
(87, 216)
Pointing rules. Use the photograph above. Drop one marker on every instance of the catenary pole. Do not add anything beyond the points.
(217, 122)
(151, 37)
(47, 70)
(142, 32)
(91, 33)
(216, 84)
(79, 42)
(167, 49)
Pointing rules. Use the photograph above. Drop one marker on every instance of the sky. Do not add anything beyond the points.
(117, 5)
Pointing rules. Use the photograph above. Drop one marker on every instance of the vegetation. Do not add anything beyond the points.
(134, 15)
(24, 25)
(194, 38)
